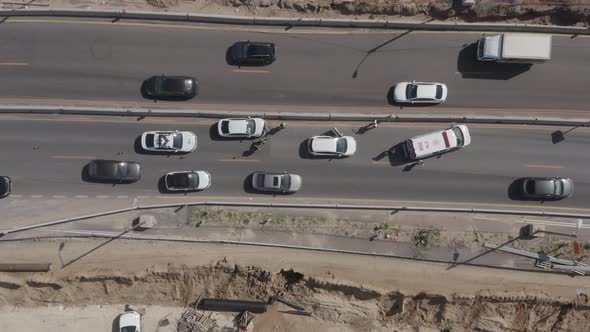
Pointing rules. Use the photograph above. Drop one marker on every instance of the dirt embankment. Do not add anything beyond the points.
(361, 308)
(555, 12)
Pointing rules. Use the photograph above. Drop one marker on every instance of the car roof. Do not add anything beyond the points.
(426, 91)
(324, 143)
(238, 126)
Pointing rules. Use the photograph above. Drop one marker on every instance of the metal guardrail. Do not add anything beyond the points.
(319, 116)
(295, 22)
(303, 206)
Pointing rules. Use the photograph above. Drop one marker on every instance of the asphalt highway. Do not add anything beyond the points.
(96, 60)
(478, 174)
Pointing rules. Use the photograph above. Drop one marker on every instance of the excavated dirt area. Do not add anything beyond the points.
(334, 300)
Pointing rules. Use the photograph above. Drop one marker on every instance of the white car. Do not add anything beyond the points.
(130, 321)
(241, 128)
(171, 141)
(420, 92)
(276, 182)
(187, 180)
(344, 146)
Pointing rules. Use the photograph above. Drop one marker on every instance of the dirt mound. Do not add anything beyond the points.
(359, 307)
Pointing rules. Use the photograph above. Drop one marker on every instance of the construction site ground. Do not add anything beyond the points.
(92, 279)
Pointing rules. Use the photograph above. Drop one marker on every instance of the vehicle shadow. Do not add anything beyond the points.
(247, 185)
(115, 324)
(391, 101)
(471, 68)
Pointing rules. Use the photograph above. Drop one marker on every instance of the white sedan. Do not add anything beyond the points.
(187, 180)
(420, 92)
(170, 141)
(130, 321)
(344, 146)
(241, 128)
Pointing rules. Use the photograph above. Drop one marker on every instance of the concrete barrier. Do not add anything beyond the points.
(320, 116)
(296, 22)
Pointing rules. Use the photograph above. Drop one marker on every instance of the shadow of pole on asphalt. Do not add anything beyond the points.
(375, 49)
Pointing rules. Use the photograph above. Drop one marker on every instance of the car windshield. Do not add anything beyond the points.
(341, 145)
(149, 140)
(3, 186)
(177, 142)
(411, 91)
(250, 126)
(439, 91)
(225, 127)
(128, 329)
(285, 182)
(558, 187)
(459, 134)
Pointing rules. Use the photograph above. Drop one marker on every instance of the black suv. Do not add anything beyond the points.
(170, 87)
(252, 53)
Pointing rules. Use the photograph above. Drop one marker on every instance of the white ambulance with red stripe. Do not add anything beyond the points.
(437, 143)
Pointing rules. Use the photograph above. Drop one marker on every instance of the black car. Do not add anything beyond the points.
(5, 186)
(170, 87)
(114, 171)
(253, 53)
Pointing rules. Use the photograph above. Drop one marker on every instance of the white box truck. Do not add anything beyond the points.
(515, 47)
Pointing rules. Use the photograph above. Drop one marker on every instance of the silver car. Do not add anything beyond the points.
(547, 188)
(276, 182)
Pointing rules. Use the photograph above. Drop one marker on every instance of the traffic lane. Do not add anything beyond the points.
(110, 62)
(66, 146)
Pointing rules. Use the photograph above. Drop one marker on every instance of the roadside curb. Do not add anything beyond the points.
(293, 22)
(320, 116)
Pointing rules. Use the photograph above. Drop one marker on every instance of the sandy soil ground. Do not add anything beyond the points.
(344, 292)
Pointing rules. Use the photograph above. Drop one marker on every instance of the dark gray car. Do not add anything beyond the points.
(276, 182)
(5, 186)
(114, 171)
(547, 188)
(170, 87)
(253, 53)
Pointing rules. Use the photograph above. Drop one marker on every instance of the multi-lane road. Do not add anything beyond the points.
(476, 175)
(96, 60)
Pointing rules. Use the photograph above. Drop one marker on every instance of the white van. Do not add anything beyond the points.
(438, 142)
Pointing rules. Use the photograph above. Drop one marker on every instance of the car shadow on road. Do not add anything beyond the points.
(115, 325)
(247, 184)
(471, 68)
